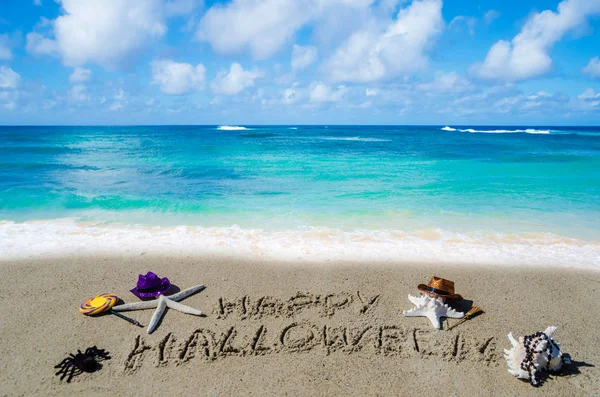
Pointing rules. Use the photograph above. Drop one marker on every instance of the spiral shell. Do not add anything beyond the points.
(532, 354)
(98, 304)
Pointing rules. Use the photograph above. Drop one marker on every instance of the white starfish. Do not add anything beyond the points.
(161, 304)
(432, 308)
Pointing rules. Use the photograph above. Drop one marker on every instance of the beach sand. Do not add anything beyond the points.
(291, 329)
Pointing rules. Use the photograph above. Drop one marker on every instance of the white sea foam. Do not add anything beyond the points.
(231, 128)
(352, 138)
(66, 237)
(293, 128)
(471, 130)
(528, 131)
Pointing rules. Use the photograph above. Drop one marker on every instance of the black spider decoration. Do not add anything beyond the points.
(81, 362)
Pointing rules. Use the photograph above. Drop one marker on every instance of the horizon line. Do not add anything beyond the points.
(299, 125)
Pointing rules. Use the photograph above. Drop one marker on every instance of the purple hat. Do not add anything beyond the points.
(150, 286)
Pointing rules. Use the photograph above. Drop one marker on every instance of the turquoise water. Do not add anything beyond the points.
(279, 178)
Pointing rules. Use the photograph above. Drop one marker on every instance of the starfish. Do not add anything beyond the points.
(161, 304)
(432, 308)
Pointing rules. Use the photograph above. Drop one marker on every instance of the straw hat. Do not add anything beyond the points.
(440, 288)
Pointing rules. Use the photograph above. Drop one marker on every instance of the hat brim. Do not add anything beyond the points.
(164, 286)
(423, 288)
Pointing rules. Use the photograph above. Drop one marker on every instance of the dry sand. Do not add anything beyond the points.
(291, 329)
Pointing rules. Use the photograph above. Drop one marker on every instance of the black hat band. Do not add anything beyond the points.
(437, 291)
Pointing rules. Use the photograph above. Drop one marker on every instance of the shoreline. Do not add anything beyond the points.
(67, 237)
(345, 333)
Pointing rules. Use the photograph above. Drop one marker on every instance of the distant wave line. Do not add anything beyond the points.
(471, 130)
(352, 138)
(231, 128)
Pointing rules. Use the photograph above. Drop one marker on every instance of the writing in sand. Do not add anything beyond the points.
(362, 335)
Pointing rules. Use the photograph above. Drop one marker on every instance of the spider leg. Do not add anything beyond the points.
(63, 362)
(67, 362)
(91, 350)
(62, 371)
(103, 354)
(71, 373)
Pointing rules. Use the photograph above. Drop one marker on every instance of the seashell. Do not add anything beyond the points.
(533, 354)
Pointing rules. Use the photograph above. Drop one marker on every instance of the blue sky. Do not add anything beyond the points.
(300, 62)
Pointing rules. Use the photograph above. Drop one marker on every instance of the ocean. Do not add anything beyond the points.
(449, 194)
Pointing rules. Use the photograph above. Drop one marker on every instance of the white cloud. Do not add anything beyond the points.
(108, 33)
(78, 93)
(37, 2)
(5, 53)
(589, 104)
(539, 95)
(303, 57)
(338, 21)
(460, 20)
(290, 96)
(545, 101)
(320, 92)
(40, 45)
(450, 82)
(181, 7)
(177, 78)
(48, 104)
(264, 26)
(9, 78)
(589, 94)
(373, 53)
(490, 16)
(589, 100)
(80, 75)
(527, 55)
(234, 81)
(593, 68)
(5, 48)
(119, 100)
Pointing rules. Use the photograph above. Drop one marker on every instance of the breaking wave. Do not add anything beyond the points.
(231, 128)
(471, 130)
(352, 138)
(67, 237)
(528, 131)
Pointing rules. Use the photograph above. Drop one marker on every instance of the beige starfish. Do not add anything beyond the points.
(161, 304)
